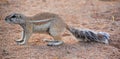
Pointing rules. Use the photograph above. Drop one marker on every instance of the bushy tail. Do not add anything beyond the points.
(88, 35)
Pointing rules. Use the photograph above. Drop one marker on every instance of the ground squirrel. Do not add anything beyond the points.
(53, 25)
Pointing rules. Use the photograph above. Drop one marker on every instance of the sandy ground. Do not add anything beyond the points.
(96, 15)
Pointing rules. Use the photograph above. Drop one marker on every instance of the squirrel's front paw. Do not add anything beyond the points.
(20, 42)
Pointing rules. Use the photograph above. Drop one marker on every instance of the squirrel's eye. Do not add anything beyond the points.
(13, 16)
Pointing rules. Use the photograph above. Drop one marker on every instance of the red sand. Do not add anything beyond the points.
(92, 14)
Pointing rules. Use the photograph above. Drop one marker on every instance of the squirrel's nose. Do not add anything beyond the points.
(6, 18)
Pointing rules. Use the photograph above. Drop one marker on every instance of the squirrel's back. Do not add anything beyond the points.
(44, 15)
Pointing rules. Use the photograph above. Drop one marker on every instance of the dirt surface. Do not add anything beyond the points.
(103, 15)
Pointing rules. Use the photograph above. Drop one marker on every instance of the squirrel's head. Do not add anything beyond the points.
(15, 18)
